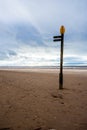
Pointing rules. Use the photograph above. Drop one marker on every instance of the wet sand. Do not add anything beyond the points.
(31, 100)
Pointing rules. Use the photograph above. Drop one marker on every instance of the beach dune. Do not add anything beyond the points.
(32, 100)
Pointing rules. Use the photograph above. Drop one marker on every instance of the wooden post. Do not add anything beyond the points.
(61, 63)
(60, 38)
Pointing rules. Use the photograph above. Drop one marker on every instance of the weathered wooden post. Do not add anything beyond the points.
(61, 38)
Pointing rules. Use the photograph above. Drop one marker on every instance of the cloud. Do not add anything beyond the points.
(16, 35)
(27, 28)
(75, 61)
(49, 14)
(44, 14)
(12, 53)
(39, 56)
(31, 56)
(13, 11)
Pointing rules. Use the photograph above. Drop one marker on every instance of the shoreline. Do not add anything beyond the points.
(46, 70)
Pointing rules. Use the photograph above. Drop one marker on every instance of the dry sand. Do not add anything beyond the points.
(32, 100)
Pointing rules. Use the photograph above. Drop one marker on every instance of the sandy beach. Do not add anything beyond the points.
(31, 100)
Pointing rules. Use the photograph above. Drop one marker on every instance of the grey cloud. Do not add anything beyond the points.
(3, 56)
(12, 53)
(74, 61)
(33, 23)
(6, 54)
(18, 34)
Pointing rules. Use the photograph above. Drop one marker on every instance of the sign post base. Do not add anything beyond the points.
(60, 81)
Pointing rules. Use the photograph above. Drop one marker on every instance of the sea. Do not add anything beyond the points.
(43, 67)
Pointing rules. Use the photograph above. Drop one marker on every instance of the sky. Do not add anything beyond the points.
(27, 28)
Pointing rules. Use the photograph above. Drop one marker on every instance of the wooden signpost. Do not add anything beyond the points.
(60, 38)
